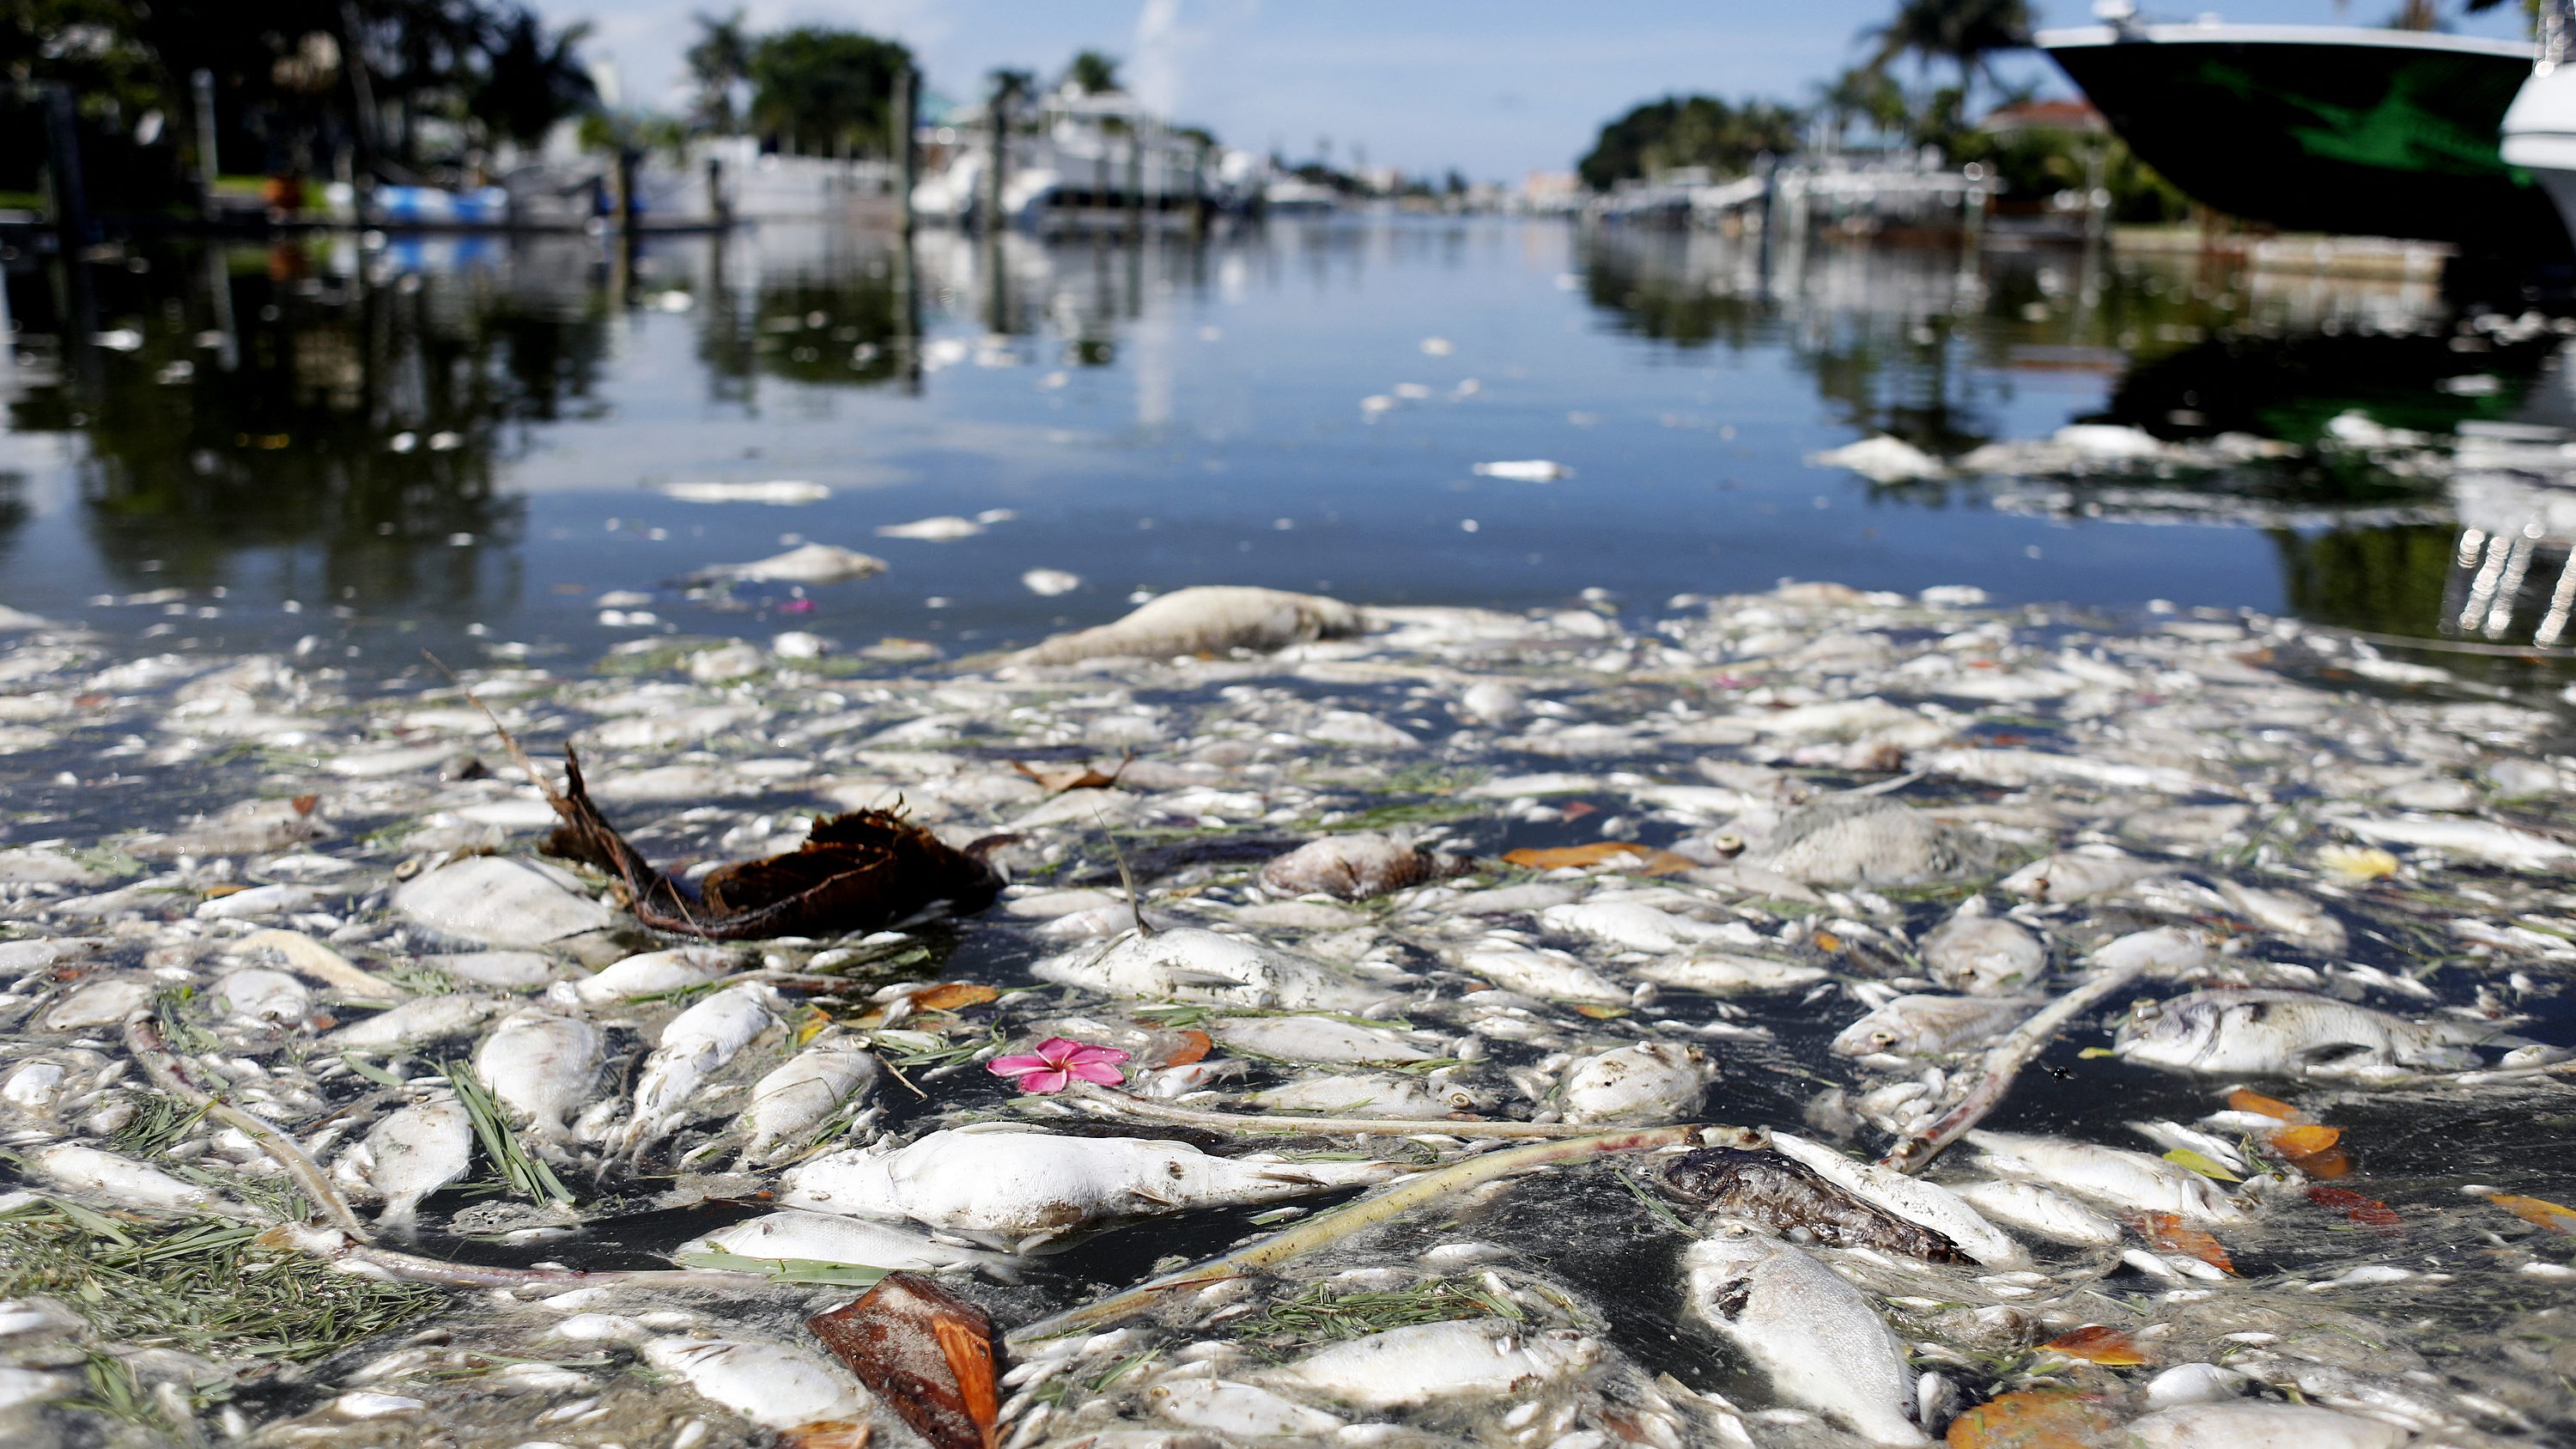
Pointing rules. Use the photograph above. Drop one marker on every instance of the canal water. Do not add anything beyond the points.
(452, 443)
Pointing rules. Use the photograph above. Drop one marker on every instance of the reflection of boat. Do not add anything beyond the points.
(2323, 128)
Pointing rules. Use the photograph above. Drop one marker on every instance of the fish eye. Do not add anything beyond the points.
(1730, 844)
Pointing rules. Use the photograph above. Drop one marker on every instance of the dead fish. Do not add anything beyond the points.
(694, 1046)
(1984, 955)
(1869, 840)
(2036, 1209)
(541, 1067)
(1925, 1204)
(771, 1385)
(829, 1238)
(2288, 917)
(1726, 973)
(1371, 1094)
(1781, 1194)
(1472, 1358)
(1215, 619)
(1006, 1181)
(2077, 875)
(1189, 964)
(412, 1153)
(2481, 840)
(1633, 926)
(1818, 1340)
(813, 563)
(1653, 1079)
(127, 1183)
(648, 974)
(2116, 1175)
(1322, 1039)
(1233, 1411)
(794, 1098)
(2236, 1031)
(499, 902)
(1925, 1026)
(425, 1019)
(1548, 975)
(1356, 867)
(861, 871)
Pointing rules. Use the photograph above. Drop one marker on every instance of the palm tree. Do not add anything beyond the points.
(529, 81)
(719, 60)
(1964, 33)
(1092, 73)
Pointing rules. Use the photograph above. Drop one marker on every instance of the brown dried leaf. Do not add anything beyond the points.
(218, 892)
(2031, 1419)
(2246, 1100)
(950, 995)
(304, 803)
(2370, 1212)
(2095, 1343)
(2303, 1139)
(2330, 1163)
(1058, 780)
(1194, 1046)
(2170, 1233)
(2538, 1211)
(1637, 859)
(926, 1352)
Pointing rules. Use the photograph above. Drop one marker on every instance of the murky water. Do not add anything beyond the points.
(395, 446)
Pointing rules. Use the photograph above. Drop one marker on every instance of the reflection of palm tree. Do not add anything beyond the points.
(1965, 33)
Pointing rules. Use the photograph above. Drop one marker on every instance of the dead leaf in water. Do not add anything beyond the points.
(827, 1434)
(950, 995)
(1058, 781)
(1648, 859)
(2245, 1099)
(2201, 1163)
(2095, 1343)
(1194, 1046)
(2031, 1419)
(2169, 1232)
(2370, 1212)
(2303, 1139)
(926, 1352)
(2538, 1211)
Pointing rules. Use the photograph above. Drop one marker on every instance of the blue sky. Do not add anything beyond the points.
(1494, 87)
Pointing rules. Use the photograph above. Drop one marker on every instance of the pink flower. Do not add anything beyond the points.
(1058, 1062)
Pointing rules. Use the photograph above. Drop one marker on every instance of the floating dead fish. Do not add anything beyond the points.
(773, 1386)
(2132, 1180)
(1869, 840)
(795, 1098)
(1984, 955)
(1356, 867)
(798, 1235)
(1206, 620)
(1725, 973)
(1820, 1342)
(1369, 1094)
(1188, 964)
(856, 872)
(1004, 1181)
(1322, 1039)
(2036, 1209)
(1925, 1204)
(693, 1046)
(412, 1153)
(1651, 1080)
(1429, 1362)
(1551, 975)
(813, 563)
(427, 1019)
(1781, 1194)
(1525, 470)
(2234, 1031)
(1931, 1025)
(2076, 876)
(2261, 1426)
(500, 902)
(946, 528)
(541, 1067)
(779, 492)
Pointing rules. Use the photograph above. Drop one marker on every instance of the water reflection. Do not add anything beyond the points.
(404, 431)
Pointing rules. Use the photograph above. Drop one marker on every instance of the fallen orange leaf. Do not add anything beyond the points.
(950, 995)
(2304, 1139)
(217, 892)
(2244, 1100)
(2169, 1232)
(2330, 1163)
(2096, 1344)
(1194, 1046)
(2031, 1419)
(2370, 1212)
(2538, 1211)
(1827, 941)
(1599, 1012)
(1649, 860)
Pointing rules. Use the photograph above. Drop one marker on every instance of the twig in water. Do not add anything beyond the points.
(1131, 1105)
(2004, 1062)
(1325, 1229)
(143, 1038)
(1126, 877)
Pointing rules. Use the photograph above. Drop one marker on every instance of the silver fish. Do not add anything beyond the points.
(1931, 1025)
(2234, 1031)
(1822, 1344)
